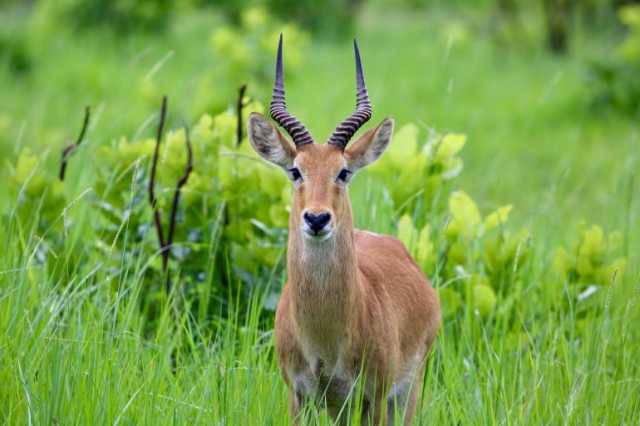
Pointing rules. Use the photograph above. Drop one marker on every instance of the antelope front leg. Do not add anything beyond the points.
(414, 394)
(375, 411)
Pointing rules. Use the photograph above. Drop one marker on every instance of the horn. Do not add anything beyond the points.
(279, 113)
(345, 130)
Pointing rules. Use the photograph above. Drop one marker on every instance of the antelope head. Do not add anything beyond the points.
(320, 173)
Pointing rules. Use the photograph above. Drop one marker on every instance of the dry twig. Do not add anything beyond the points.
(240, 104)
(165, 244)
(69, 149)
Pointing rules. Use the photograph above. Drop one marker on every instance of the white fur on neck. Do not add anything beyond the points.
(319, 260)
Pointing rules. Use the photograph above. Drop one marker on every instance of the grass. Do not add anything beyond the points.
(74, 348)
(76, 353)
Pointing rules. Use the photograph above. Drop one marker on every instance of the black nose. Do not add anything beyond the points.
(317, 221)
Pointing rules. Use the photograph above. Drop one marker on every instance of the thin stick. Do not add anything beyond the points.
(69, 149)
(176, 196)
(152, 182)
(165, 244)
(239, 106)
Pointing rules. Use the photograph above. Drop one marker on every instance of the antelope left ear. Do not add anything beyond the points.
(370, 145)
(268, 142)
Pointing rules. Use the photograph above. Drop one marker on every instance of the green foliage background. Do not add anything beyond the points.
(512, 179)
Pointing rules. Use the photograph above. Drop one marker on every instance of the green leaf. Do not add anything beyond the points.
(465, 216)
(425, 252)
(406, 231)
(404, 145)
(498, 217)
(450, 301)
(484, 298)
(449, 146)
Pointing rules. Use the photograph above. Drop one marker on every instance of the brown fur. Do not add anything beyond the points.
(356, 301)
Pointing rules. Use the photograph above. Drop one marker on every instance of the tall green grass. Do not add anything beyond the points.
(77, 351)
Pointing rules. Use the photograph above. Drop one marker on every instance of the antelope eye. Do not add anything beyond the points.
(295, 174)
(344, 175)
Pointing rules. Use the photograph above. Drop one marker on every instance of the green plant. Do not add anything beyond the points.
(477, 259)
(36, 190)
(248, 48)
(588, 266)
(220, 207)
(420, 171)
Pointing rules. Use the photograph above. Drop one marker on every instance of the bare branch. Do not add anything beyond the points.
(181, 182)
(69, 149)
(152, 182)
(239, 106)
(165, 244)
(176, 196)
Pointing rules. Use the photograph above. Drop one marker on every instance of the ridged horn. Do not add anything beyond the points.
(279, 113)
(345, 130)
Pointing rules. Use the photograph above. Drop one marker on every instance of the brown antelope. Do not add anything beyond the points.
(355, 304)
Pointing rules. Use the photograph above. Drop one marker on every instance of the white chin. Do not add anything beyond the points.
(317, 238)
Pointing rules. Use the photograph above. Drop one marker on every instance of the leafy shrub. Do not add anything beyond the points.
(592, 263)
(478, 260)
(232, 222)
(478, 256)
(471, 257)
(36, 191)
(248, 47)
(420, 171)
(249, 232)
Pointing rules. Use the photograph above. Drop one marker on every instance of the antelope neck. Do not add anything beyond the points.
(325, 286)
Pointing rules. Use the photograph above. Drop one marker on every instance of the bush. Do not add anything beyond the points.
(422, 172)
(478, 257)
(477, 261)
(248, 48)
(232, 223)
(589, 265)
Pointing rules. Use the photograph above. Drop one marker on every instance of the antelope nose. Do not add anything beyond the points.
(316, 221)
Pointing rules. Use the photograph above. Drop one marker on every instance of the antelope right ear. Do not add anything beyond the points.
(269, 143)
(370, 146)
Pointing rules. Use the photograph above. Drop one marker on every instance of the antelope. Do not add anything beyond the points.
(355, 303)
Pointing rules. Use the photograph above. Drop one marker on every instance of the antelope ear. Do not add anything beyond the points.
(269, 143)
(370, 146)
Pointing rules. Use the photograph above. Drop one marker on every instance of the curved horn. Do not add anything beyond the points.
(279, 113)
(345, 130)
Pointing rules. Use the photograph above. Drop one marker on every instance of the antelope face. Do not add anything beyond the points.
(319, 173)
